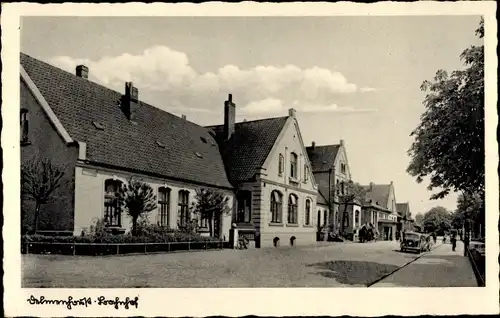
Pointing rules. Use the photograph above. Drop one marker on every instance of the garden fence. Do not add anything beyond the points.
(477, 259)
(73, 248)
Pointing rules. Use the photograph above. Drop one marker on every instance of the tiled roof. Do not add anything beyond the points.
(322, 158)
(158, 143)
(249, 146)
(378, 193)
(403, 209)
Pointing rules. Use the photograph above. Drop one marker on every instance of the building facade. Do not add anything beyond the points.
(380, 208)
(101, 138)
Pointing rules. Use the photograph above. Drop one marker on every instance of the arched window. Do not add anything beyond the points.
(308, 212)
(293, 165)
(276, 206)
(163, 206)
(183, 208)
(24, 126)
(292, 209)
(112, 203)
(356, 219)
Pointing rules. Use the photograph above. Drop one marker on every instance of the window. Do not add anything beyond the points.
(24, 126)
(281, 164)
(306, 173)
(356, 219)
(338, 187)
(203, 222)
(292, 209)
(308, 212)
(342, 187)
(244, 206)
(112, 203)
(183, 208)
(164, 206)
(342, 167)
(325, 218)
(276, 206)
(293, 165)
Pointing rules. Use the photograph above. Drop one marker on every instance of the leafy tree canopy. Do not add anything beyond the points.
(469, 206)
(449, 142)
(210, 204)
(139, 199)
(437, 219)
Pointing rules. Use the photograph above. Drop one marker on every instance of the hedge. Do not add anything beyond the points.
(122, 238)
(104, 244)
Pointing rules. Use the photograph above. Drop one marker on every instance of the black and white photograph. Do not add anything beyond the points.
(260, 152)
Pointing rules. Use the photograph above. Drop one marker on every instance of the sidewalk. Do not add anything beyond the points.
(439, 268)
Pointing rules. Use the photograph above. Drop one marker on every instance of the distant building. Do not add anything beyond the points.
(379, 209)
(405, 221)
(331, 172)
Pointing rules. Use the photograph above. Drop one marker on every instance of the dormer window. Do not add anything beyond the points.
(24, 127)
(293, 165)
(98, 125)
(160, 144)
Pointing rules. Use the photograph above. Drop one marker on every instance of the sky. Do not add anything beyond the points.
(351, 78)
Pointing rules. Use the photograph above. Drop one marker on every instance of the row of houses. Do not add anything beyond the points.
(277, 187)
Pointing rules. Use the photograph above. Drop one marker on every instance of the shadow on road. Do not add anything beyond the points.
(353, 272)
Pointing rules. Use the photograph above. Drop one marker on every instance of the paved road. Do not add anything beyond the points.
(440, 268)
(322, 265)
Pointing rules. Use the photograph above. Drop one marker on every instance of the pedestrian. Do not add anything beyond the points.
(434, 236)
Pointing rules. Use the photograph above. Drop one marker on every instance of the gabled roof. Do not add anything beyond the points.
(378, 194)
(403, 209)
(322, 157)
(249, 146)
(156, 143)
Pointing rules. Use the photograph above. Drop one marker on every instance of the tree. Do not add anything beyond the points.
(449, 141)
(39, 181)
(470, 206)
(138, 198)
(418, 218)
(210, 205)
(437, 219)
(350, 193)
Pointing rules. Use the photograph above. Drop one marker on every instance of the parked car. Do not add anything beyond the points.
(415, 242)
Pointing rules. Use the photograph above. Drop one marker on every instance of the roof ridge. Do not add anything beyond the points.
(323, 146)
(248, 121)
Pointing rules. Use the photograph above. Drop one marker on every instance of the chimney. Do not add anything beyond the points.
(130, 100)
(82, 71)
(229, 117)
(184, 117)
(313, 144)
(342, 142)
(371, 186)
(291, 112)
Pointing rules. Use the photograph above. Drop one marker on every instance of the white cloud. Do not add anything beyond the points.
(368, 89)
(264, 89)
(277, 106)
(268, 105)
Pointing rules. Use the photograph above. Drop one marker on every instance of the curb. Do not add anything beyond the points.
(434, 247)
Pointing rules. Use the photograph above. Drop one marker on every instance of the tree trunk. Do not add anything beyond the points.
(134, 226)
(35, 219)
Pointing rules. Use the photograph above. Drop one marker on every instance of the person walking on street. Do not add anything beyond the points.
(453, 242)
(434, 237)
